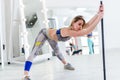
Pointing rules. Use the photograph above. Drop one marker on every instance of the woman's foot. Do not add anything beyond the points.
(68, 66)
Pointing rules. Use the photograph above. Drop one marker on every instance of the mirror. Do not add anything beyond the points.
(36, 20)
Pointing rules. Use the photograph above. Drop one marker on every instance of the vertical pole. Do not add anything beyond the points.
(103, 47)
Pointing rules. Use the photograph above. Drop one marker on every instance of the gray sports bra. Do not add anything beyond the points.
(60, 38)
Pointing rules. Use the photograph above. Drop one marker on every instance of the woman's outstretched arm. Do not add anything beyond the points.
(94, 17)
(89, 27)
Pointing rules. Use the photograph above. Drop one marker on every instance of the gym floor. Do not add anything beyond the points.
(88, 67)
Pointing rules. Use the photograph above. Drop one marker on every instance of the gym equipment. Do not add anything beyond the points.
(103, 47)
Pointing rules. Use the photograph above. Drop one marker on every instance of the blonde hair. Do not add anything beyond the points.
(77, 18)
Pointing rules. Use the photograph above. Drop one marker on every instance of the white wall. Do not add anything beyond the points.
(111, 24)
(112, 39)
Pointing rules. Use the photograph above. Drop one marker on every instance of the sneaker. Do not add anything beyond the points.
(26, 78)
(69, 67)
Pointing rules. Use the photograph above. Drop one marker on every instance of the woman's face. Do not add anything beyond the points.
(77, 25)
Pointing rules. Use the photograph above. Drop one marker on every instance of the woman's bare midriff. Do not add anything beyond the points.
(52, 34)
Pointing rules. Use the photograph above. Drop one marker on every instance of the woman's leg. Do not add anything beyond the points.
(41, 38)
(90, 45)
(55, 47)
(93, 46)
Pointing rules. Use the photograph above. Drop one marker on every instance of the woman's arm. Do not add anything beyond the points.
(90, 21)
(89, 28)
(94, 17)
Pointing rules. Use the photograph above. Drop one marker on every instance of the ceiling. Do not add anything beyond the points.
(70, 7)
(71, 3)
(66, 3)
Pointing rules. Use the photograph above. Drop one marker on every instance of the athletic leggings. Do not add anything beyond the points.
(40, 40)
(91, 46)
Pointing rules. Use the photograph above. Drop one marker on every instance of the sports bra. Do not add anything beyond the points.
(60, 38)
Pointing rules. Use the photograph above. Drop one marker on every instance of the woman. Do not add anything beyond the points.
(78, 27)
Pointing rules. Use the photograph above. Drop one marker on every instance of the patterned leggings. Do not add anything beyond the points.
(40, 40)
